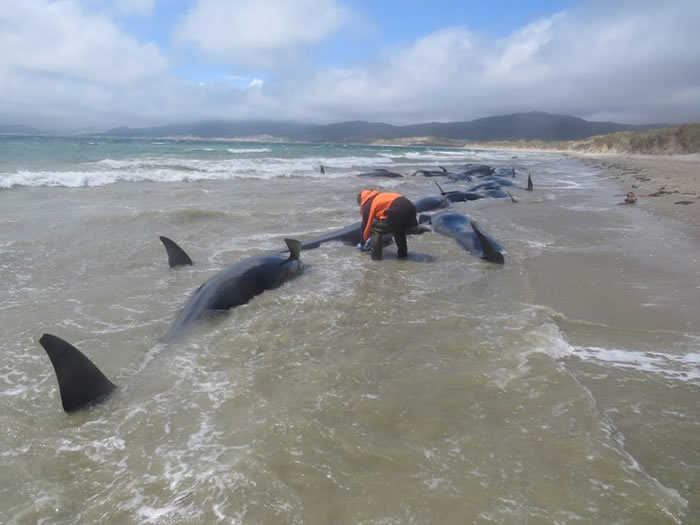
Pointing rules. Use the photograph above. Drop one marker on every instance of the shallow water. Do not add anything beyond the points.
(561, 387)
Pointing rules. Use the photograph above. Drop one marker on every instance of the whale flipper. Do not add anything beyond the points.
(490, 249)
(176, 255)
(79, 380)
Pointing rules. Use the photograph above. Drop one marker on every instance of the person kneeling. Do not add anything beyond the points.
(384, 213)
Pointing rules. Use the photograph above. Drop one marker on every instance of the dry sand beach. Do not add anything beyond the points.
(667, 185)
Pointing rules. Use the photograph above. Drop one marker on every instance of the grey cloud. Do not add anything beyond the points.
(636, 62)
(62, 64)
(56, 38)
(622, 61)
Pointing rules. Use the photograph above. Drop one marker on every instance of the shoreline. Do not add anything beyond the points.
(666, 185)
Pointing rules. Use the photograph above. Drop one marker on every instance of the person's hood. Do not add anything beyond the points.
(366, 195)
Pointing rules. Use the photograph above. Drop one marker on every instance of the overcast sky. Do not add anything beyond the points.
(69, 64)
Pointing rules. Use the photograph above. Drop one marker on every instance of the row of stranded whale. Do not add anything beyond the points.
(80, 381)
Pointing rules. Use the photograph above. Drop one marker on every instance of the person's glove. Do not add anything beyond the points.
(364, 247)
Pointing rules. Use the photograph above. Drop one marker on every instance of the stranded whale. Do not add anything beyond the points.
(380, 172)
(238, 284)
(467, 234)
(81, 383)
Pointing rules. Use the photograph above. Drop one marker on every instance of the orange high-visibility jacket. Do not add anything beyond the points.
(380, 203)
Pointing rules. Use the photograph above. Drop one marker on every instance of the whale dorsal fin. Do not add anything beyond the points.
(176, 255)
(489, 248)
(529, 182)
(79, 380)
(294, 249)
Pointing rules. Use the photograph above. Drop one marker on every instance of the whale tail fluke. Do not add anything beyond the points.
(294, 249)
(176, 255)
(529, 182)
(490, 249)
(80, 382)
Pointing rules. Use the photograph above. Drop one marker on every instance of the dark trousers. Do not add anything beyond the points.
(400, 216)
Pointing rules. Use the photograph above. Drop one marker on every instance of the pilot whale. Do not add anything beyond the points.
(238, 284)
(467, 234)
(431, 203)
(81, 383)
(379, 173)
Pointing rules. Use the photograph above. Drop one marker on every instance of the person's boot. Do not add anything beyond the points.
(401, 244)
(377, 250)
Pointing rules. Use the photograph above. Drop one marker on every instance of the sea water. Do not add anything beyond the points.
(562, 387)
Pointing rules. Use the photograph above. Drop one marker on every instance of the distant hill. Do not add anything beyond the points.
(671, 140)
(16, 129)
(682, 139)
(519, 126)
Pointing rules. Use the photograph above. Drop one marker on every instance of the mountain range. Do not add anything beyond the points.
(518, 126)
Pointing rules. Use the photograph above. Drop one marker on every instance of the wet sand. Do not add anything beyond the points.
(667, 185)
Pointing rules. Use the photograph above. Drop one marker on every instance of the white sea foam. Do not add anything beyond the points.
(685, 367)
(676, 364)
(435, 154)
(247, 150)
(109, 171)
(156, 167)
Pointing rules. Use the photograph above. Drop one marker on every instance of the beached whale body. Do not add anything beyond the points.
(352, 235)
(349, 235)
(81, 383)
(457, 196)
(442, 172)
(379, 173)
(431, 203)
(478, 170)
(238, 284)
(490, 182)
(467, 234)
(462, 196)
(471, 170)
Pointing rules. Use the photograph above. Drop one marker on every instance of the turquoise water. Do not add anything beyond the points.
(72, 161)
